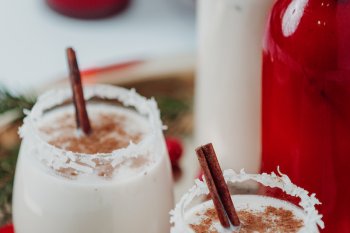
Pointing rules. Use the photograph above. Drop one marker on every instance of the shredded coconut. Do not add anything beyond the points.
(281, 181)
(58, 158)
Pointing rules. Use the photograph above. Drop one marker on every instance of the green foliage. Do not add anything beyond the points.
(8, 156)
(12, 101)
(8, 160)
(171, 108)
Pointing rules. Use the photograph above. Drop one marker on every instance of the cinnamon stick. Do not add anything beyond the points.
(217, 186)
(212, 189)
(81, 115)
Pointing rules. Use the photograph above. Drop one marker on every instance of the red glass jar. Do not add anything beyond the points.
(306, 101)
(88, 9)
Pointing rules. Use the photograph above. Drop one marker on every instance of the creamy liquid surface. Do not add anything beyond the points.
(113, 128)
(257, 214)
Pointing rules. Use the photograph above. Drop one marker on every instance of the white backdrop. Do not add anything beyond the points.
(33, 38)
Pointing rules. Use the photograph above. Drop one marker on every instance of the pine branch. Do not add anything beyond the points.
(12, 101)
(171, 108)
(8, 156)
(8, 160)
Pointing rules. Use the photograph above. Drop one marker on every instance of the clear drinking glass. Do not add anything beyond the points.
(131, 199)
(196, 200)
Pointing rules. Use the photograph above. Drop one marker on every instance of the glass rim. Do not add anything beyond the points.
(127, 97)
(273, 180)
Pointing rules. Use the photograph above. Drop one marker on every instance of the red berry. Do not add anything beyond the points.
(7, 229)
(175, 149)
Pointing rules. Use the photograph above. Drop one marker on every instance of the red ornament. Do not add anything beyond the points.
(175, 149)
(7, 229)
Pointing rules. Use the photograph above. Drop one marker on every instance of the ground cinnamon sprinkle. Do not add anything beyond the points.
(272, 219)
(108, 135)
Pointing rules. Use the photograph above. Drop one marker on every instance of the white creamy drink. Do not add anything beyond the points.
(228, 84)
(257, 213)
(117, 179)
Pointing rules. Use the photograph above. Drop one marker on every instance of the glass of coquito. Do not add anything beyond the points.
(218, 206)
(115, 178)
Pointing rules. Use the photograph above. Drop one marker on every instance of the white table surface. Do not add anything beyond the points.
(33, 38)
